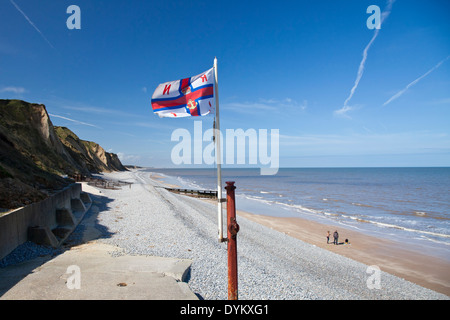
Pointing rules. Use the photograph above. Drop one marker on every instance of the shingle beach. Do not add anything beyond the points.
(146, 219)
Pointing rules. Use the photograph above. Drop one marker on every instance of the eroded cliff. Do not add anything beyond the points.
(36, 157)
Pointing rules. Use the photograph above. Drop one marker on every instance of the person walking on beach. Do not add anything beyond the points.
(328, 237)
(336, 237)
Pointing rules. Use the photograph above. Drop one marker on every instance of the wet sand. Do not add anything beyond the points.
(160, 179)
(392, 257)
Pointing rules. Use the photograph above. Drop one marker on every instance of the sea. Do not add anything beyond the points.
(407, 205)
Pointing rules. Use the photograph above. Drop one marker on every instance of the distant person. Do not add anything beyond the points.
(328, 236)
(336, 237)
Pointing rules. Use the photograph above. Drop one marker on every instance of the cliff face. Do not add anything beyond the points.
(88, 154)
(34, 157)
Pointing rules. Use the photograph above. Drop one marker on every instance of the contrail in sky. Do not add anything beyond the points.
(384, 15)
(76, 121)
(398, 94)
(31, 22)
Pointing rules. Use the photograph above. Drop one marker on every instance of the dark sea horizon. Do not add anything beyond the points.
(405, 204)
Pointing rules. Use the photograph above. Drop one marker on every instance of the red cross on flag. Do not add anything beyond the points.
(188, 97)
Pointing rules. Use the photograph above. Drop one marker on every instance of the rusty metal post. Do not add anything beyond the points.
(232, 230)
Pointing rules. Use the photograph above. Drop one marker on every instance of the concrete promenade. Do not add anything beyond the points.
(96, 271)
(99, 276)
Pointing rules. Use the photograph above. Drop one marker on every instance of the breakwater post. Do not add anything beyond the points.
(232, 230)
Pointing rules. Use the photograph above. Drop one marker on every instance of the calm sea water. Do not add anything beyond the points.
(405, 204)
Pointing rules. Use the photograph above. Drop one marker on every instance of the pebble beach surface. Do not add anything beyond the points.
(146, 219)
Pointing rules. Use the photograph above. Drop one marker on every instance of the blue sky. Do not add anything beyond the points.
(287, 65)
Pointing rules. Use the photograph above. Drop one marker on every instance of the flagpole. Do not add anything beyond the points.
(218, 155)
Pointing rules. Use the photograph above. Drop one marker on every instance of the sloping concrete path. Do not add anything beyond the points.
(96, 271)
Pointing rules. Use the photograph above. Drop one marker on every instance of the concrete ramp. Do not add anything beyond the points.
(90, 272)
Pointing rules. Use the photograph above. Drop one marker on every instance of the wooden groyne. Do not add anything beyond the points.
(107, 184)
(101, 182)
(194, 193)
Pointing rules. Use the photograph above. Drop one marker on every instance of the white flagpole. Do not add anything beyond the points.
(218, 155)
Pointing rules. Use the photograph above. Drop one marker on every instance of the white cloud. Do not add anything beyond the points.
(128, 158)
(249, 107)
(97, 110)
(269, 105)
(313, 140)
(17, 90)
(343, 111)
(367, 142)
(441, 101)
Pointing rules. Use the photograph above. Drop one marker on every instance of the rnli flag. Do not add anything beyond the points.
(188, 97)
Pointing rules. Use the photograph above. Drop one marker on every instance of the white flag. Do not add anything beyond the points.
(188, 97)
